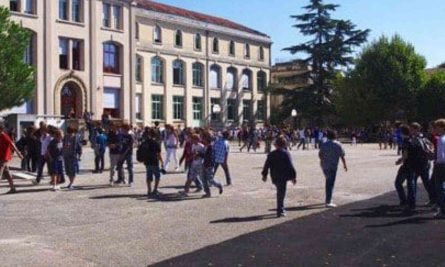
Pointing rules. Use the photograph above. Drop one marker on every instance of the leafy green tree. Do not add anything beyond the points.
(329, 49)
(16, 77)
(431, 98)
(384, 84)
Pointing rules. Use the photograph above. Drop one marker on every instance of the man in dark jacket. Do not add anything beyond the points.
(281, 170)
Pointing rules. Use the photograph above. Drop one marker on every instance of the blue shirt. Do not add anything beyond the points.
(220, 150)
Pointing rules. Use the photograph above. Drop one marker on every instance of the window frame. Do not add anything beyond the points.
(197, 108)
(249, 83)
(232, 48)
(63, 63)
(160, 104)
(246, 51)
(178, 72)
(198, 42)
(218, 77)
(178, 108)
(106, 15)
(157, 30)
(138, 72)
(64, 12)
(215, 44)
(197, 74)
(178, 39)
(263, 83)
(159, 67)
(80, 11)
(115, 55)
(261, 53)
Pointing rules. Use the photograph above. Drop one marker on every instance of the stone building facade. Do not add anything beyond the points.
(143, 61)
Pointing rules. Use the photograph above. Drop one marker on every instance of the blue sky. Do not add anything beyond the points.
(420, 22)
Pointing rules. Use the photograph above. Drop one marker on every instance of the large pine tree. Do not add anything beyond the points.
(327, 51)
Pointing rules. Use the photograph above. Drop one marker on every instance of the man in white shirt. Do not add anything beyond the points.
(45, 139)
(439, 167)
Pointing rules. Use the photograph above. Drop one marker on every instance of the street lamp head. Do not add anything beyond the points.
(216, 109)
(294, 113)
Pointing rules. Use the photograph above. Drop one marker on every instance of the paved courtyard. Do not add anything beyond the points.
(102, 226)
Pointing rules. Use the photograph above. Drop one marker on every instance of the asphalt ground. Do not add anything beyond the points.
(373, 232)
(98, 225)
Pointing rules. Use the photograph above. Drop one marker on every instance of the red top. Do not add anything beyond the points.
(5, 147)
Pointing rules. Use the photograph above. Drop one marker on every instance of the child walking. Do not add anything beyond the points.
(282, 170)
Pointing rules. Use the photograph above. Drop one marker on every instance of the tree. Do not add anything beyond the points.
(329, 49)
(431, 98)
(16, 77)
(387, 77)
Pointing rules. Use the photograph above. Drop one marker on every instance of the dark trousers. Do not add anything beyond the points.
(42, 162)
(129, 162)
(439, 176)
(424, 174)
(330, 175)
(99, 161)
(406, 174)
(281, 194)
(225, 167)
(302, 143)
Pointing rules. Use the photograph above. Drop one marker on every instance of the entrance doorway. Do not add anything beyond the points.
(71, 101)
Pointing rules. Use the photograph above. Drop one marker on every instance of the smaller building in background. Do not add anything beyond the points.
(289, 76)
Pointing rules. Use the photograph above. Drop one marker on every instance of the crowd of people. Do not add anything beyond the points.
(204, 150)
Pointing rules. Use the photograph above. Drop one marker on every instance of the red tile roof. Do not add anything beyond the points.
(162, 8)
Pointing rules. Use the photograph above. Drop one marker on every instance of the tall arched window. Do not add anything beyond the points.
(261, 53)
(215, 47)
(246, 79)
(178, 38)
(231, 79)
(246, 51)
(198, 74)
(157, 70)
(215, 76)
(178, 72)
(232, 48)
(198, 45)
(157, 34)
(261, 80)
(111, 58)
(28, 58)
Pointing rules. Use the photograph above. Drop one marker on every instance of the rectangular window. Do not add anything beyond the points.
(197, 108)
(261, 110)
(247, 110)
(157, 107)
(111, 101)
(63, 9)
(77, 47)
(111, 58)
(178, 107)
(117, 17)
(29, 7)
(137, 31)
(14, 5)
(231, 109)
(138, 69)
(63, 53)
(138, 106)
(76, 9)
(213, 102)
(106, 15)
(28, 57)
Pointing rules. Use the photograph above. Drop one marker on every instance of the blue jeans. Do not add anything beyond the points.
(281, 194)
(330, 175)
(406, 174)
(209, 180)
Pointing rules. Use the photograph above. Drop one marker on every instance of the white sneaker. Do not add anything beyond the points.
(331, 205)
(131, 185)
(111, 183)
(71, 188)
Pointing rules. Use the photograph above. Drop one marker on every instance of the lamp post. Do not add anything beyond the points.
(216, 109)
(294, 115)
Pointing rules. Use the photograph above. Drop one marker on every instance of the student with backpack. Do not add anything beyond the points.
(423, 152)
(149, 153)
(281, 168)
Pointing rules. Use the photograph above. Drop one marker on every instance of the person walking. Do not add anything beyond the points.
(406, 170)
(209, 167)
(71, 149)
(152, 161)
(439, 168)
(221, 150)
(282, 170)
(196, 167)
(100, 146)
(7, 147)
(115, 148)
(330, 153)
(55, 158)
(171, 144)
(127, 141)
(45, 139)
(302, 137)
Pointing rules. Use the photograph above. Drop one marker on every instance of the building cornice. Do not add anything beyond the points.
(183, 54)
(187, 22)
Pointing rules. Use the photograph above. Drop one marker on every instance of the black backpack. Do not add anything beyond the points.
(142, 152)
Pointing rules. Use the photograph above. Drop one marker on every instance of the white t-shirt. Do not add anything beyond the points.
(45, 140)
